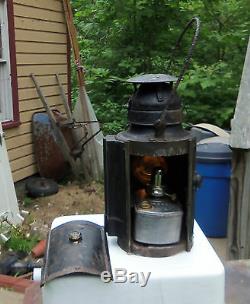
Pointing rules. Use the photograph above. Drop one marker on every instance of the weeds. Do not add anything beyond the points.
(27, 201)
(20, 241)
(16, 238)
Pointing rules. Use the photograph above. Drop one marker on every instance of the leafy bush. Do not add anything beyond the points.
(122, 38)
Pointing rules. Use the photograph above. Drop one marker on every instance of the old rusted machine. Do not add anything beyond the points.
(149, 170)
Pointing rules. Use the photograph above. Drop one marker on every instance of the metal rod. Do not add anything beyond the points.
(160, 123)
(89, 139)
(187, 60)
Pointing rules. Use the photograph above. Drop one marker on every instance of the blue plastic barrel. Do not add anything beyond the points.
(213, 164)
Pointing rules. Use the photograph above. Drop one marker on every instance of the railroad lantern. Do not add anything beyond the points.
(149, 170)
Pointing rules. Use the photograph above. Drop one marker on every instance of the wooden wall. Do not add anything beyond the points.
(41, 46)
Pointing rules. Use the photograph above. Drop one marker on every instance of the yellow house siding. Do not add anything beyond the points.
(41, 48)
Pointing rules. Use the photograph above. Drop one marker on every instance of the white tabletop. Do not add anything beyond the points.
(186, 278)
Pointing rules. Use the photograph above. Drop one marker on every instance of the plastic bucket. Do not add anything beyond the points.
(213, 164)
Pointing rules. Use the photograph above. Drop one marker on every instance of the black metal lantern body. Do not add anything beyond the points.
(149, 175)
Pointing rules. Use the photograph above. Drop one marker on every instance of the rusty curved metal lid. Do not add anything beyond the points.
(76, 247)
(152, 78)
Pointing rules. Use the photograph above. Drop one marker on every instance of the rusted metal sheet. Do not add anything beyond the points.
(237, 282)
(49, 157)
(76, 247)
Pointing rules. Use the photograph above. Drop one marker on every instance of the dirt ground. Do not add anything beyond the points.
(71, 199)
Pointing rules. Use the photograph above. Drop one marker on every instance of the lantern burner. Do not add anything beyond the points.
(158, 217)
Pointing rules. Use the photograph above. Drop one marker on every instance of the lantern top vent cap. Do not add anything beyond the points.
(152, 78)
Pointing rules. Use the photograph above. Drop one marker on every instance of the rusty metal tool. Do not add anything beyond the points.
(57, 131)
(49, 158)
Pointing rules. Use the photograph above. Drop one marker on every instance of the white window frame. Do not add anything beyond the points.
(6, 101)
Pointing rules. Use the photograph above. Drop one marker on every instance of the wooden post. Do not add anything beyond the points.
(64, 99)
(239, 209)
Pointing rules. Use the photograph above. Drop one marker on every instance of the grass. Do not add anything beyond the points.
(19, 241)
(27, 201)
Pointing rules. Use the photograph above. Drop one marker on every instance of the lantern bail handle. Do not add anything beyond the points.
(160, 123)
(187, 60)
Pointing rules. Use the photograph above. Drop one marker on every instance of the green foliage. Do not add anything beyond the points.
(122, 38)
(112, 115)
(27, 201)
(18, 239)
